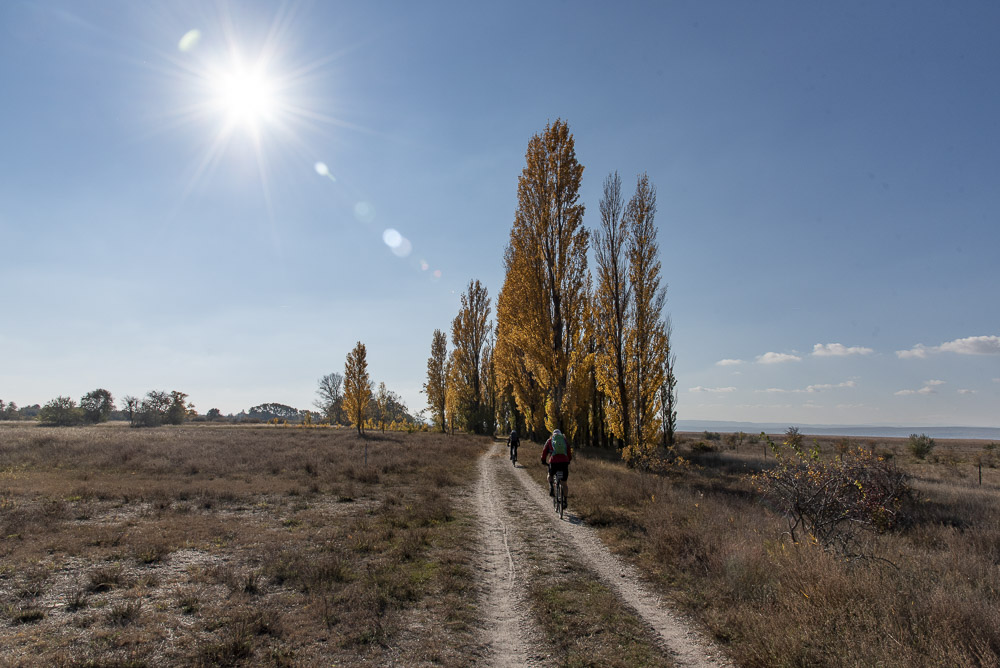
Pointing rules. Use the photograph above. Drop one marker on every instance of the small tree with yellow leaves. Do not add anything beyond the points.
(357, 386)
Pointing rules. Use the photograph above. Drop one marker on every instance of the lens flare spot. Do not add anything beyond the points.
(392, 238)
(189, 41)
(424, 266)
(404, 248)
(364, 212)
(437, 273)
(322, 169)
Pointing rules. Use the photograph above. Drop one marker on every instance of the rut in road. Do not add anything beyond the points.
(508, 620)
(685, 645)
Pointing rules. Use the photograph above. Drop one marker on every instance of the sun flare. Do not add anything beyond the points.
(246, 97)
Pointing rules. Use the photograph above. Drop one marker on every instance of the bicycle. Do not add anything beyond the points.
(559, 499)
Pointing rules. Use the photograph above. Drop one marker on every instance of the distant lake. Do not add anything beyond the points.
(871, 431)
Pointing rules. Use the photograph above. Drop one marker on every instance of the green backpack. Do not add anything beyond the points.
(559, 446)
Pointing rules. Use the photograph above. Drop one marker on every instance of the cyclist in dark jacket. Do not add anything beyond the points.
(512, 442)
(559, 455)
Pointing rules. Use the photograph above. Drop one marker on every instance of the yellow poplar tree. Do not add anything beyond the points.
(613, 309)
(382, 405)
(469, 332)
(454, 395)
(513, 376)
(646, 342)
(542, 304)
(436, 387)
(357, 386)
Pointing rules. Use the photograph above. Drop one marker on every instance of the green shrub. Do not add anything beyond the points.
(61, 412)
(921, 446)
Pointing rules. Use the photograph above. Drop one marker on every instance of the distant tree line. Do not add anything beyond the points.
(11, 411)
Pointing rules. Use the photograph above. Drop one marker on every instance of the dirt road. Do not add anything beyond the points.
(512, 635)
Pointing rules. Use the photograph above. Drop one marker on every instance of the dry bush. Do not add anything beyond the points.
(832, 502)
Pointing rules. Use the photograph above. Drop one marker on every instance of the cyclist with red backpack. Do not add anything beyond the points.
(559, 455)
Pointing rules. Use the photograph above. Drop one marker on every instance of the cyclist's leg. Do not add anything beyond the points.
(565, 484)
(551, 481)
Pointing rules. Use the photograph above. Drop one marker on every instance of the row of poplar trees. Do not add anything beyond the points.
(588, 353)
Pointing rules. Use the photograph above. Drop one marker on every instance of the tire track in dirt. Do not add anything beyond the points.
(685, 645)
(508, 621)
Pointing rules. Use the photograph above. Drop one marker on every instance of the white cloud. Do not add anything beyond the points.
(973, 345)
(774, 390)
(839, 350)
(966, 391)
(728, 362)
(970, 345)
(918, 351)
(699, 388)
(928, 388)
(776, 358)
(820, 388)
(996, 380)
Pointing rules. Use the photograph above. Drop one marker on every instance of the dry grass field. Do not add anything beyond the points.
(229, 545)
(708, 542)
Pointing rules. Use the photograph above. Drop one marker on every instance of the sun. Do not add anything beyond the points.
(246, 97)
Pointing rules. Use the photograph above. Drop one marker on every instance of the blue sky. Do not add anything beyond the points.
(826, 176)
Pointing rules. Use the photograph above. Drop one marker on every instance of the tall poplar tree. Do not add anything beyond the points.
(646, 344)
(541, 308)
(668, 391)
(613, 315)
(357, 386)
(469, 331)
(436, 387)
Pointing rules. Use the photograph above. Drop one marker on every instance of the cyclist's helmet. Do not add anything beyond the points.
(513, 433)
(556, 431)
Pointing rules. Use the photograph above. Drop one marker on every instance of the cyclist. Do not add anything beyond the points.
(559, 456)
(512, 442)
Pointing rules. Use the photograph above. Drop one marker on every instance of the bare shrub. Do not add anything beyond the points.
(831, 502)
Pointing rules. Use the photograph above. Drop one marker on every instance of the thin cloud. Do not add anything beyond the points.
(839, 350)
(970, 345)
(827, 386)
(812, 389)
(717, 390)
(966, 391)
(777, 358)
(928, 388)
(728, 362)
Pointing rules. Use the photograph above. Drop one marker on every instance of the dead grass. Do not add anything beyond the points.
(708, 541)
(226, 545)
